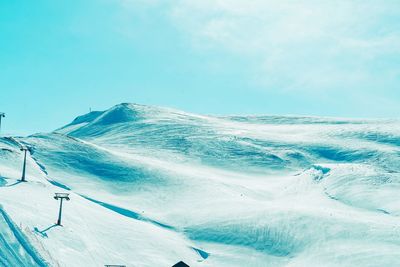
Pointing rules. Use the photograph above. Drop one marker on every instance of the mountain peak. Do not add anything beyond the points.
(120, 113)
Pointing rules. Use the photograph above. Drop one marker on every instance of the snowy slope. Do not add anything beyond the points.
(152, 186)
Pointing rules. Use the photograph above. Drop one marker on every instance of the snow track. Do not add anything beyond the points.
(15, 249)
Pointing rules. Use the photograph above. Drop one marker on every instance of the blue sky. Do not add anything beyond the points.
(328, 58)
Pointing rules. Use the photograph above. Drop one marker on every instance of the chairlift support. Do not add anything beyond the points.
(2, 115)
(61, 197)
(24, 149)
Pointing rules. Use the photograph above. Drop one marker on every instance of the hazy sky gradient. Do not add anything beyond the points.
(328, 58)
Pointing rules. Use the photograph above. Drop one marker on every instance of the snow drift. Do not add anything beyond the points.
(152, 186)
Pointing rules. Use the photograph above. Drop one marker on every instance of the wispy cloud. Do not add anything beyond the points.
(312, 45)
(304, 45)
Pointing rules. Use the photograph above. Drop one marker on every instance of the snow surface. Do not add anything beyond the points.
(153, 186)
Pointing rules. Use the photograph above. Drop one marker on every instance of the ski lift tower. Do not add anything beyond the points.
(25, 150)
(61, 197)
(2, 115)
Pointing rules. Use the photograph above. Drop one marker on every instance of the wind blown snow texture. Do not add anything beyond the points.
(152, 186)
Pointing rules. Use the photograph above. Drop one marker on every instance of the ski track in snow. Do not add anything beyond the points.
(15, 248)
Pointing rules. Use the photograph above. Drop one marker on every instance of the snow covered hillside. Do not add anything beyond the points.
(153, 186)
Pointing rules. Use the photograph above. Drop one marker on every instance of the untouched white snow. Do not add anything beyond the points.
(152, 186)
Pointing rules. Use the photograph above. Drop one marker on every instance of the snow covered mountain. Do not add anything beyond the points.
(153, 186)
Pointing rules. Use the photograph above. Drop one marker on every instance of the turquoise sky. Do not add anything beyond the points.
(328, 58)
